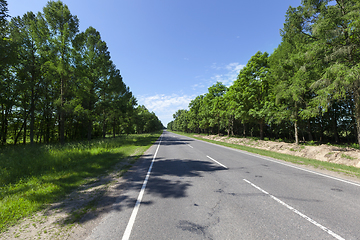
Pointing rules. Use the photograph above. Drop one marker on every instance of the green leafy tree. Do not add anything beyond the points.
(230, 111)
(193, 114)
(24, 32)
(253, 91)
(92, 63)
(333, 29)
(63, 28)
(6, 60)
(181, 120)
(211, 107)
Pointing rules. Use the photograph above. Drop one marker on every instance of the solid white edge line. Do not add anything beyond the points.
(282, 163)
(131, 222)
(297, 212)
(217, 162)
(306, 170)
(190, 146)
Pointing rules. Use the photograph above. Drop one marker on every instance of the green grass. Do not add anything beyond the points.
(349, 170)
(33, 176)
(347, 157)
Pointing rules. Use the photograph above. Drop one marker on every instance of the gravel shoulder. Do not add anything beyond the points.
(82, 210)
(346, 156)
(79, 212)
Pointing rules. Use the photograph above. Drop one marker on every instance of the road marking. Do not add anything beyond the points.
(131, 222)
(217, 162)
(190, 146)
(298, 213)
(282, 163)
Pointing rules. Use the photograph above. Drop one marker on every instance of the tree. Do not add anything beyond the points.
(193, 114)
(24, 33)
(252, 90)
(92, 61)
(211, 107)
(231, 105)
(63, 27)
(334, 29)
(181, 120)
(3, 15)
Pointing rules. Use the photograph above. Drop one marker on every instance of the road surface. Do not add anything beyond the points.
(189, 189)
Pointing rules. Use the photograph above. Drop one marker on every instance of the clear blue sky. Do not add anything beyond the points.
(170, 51)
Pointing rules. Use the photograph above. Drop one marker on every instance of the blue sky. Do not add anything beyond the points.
(170, 51)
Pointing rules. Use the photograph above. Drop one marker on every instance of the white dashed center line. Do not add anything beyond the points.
(217, 162)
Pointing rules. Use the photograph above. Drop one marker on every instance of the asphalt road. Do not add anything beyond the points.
(198, 190)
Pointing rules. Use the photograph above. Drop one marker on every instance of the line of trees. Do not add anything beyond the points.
(307, 89)
(58, 84)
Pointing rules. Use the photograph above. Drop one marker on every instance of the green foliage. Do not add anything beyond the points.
(50, 171)
(307, 90)
(58, 84)
(350, 170)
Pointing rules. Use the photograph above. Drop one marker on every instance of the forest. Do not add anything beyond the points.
(307, 90)
(58, 84)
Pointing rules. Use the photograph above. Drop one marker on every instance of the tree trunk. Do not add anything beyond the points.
(25, 129)
(309, 130)
(32, 117)
(4, 125)
(296, 125)
(19, 133)
(262, 129)
(296, 132)
(32, 100)
(62, 114)
(89, 130)
(104, 125)
(232, 126)
(47, 130)
(114, 128)
(357, 114)
(244, 129)
(334, 125)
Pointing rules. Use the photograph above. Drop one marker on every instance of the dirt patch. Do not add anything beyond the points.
(80, 212)
(76, 215)
(346, 156)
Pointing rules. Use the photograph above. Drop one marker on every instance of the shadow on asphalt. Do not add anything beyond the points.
(116, 196)
(169, 142)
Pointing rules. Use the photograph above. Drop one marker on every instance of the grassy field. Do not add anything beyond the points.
(33, 176)
(349, 170)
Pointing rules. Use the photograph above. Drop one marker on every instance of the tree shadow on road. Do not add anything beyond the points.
(168, 179)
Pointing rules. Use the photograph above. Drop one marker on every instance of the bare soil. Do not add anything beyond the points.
(346, 156)
(75, 216)
(83, 209)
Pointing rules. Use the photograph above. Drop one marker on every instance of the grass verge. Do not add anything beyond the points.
(349, 170)
(33, 176)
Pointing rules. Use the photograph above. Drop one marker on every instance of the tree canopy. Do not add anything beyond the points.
(307, 89)
(58, 84)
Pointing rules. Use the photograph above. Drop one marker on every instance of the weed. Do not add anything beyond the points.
(33, 176)
(311, 143)
(347, 156)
